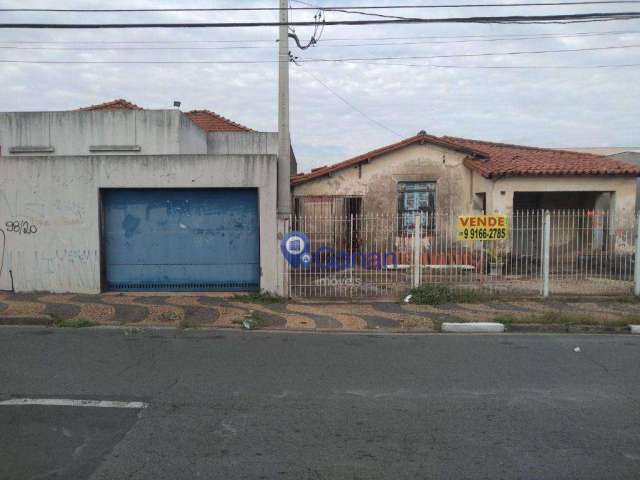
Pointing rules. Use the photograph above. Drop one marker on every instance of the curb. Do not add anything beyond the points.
(635, 328)
(564, 328)
(45, 320)
(473, 327)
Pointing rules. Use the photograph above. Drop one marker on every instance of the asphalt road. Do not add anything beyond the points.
(236, 405)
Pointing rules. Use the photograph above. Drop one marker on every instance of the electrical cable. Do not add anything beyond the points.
(510, 19)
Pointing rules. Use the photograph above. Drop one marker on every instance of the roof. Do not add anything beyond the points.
(495, 160)
(420, 139)
(607, 151)
(205, 119)
(212, 122)
(117, 104)
(507, 160)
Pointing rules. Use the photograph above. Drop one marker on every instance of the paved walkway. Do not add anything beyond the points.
(224, 310)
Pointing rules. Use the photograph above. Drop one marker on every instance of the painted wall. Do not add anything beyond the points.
(155, 132)
(222, 143)
(49, 210)
(500, 192)
(377, 181)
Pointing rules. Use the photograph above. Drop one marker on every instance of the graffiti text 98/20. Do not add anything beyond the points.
(21, 226)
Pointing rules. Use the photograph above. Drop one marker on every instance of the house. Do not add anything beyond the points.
(426, 173)
(117, 197)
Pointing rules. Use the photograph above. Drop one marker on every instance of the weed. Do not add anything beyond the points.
(260, 297)
(254, 321)
(74, 323)
(185, 323)
(562, 318)
(439, 294)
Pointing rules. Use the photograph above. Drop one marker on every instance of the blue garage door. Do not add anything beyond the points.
(181, 240)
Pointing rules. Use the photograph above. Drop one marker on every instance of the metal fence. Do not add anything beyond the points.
(574, 252)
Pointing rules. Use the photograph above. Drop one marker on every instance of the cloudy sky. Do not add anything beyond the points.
(459, 96)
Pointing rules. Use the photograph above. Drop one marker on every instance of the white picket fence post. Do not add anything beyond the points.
(546, 253)
(417, 234)
(636, 259)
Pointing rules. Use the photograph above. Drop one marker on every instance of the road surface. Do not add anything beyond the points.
(252, 405)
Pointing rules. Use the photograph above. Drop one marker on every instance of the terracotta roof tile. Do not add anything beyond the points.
(366, 157)
(118, 104)
(506, 160)
(212, 122)
(205, 119)
(493, 160)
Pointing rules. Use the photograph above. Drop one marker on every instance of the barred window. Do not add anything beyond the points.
(416, 198)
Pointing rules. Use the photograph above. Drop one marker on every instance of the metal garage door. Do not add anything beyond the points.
(181, 239)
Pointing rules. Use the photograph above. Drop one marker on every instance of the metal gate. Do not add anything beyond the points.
(573, 252)
(180, 239)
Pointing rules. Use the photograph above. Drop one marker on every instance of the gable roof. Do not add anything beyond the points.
(212, 122)
(495, 160)
(205, 119)
(507, 160)
(420, 139)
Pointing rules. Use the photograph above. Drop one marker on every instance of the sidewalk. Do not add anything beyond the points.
(227, 310)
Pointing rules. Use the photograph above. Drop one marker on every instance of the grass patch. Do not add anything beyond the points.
(186, 323)
(259, 297)
(439, 294)
(74, 323)
(254, 321)
(628, 299)
(562, 318)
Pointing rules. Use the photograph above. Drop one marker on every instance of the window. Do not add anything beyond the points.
(415, 198)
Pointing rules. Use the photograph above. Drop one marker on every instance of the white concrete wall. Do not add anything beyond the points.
(59, 197)
(500, 192)
(225, 143)
(156, 132)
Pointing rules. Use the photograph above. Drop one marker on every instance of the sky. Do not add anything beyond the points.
(386, 100)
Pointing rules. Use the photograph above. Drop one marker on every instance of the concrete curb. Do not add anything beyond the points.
(46, 320)
(635, 328)
(473, 327)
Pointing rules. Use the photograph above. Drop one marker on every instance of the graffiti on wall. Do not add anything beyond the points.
(21, 227)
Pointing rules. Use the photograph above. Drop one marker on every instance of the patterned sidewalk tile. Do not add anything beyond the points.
(228, 311)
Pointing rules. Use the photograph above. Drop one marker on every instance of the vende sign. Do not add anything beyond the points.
(482, 227)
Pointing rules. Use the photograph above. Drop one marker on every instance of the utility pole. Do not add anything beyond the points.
(284, 141)
(284, 147)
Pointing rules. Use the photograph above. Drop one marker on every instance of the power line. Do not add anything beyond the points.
(310, 7)
(208, 62)
(328, 60)
(511, 19)
(472, 38)
(461, 55)
(346, 102)
(499, 67)
(121, 46)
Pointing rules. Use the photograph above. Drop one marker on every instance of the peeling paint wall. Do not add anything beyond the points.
(623, 190)
(50, 215)
(377, 181)
(457, 186)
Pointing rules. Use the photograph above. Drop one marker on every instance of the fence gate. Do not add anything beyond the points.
(359, 256)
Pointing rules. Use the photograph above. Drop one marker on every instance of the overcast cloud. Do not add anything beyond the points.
(542, 107)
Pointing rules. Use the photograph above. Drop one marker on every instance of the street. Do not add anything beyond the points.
(250, 405)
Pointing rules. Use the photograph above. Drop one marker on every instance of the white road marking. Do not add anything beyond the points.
(67, 402)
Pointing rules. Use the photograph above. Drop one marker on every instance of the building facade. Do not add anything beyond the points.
(452, 175)
(116, 198)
